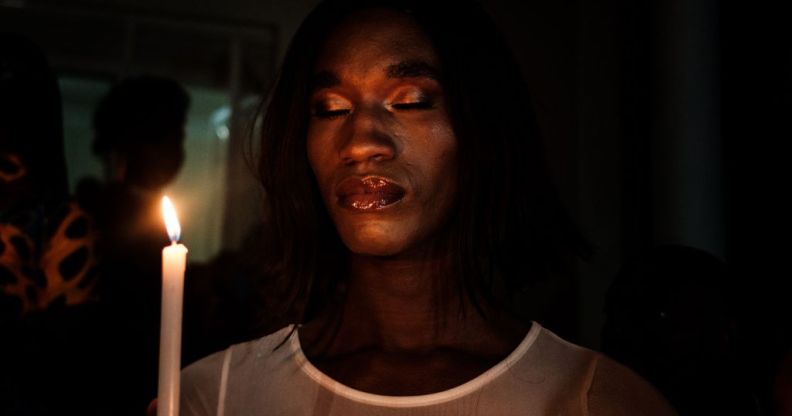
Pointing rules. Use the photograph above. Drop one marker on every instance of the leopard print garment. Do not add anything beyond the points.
(47, 257)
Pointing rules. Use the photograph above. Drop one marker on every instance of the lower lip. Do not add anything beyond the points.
(369, 202)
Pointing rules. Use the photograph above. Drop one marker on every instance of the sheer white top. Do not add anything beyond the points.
(544, 375)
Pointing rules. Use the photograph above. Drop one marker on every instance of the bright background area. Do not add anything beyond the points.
(198, 191)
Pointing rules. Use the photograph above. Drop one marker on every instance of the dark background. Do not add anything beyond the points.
(664, 120)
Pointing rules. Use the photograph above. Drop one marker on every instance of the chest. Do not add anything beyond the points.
(398, 374)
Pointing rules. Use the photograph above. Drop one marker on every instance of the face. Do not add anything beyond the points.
(380, 141)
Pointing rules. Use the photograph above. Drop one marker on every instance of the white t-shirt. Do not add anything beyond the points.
(544, 375)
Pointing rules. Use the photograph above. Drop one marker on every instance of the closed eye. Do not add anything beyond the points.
(329, 114)
(418, 105)
(330, 105)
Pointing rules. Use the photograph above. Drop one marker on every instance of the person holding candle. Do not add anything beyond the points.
(139, 135)
(410, 212)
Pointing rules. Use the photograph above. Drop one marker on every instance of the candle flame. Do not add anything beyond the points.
(171, 221)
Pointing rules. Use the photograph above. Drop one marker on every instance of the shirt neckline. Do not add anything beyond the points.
(412, 401)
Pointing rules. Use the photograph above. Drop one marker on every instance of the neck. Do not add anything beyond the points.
(399, 305)
(404, 304)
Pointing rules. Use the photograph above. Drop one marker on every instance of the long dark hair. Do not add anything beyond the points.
(508, 229)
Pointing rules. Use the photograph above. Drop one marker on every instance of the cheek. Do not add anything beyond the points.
(445, 181)
(437, 154)
(446, 173)
(437, 138)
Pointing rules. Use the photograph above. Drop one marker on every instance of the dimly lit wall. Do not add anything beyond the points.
(663, 122)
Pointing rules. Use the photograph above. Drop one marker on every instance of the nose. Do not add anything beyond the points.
(368, 139)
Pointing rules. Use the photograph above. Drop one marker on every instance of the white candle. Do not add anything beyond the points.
(174, 259)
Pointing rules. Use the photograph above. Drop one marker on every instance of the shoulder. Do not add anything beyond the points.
(617, 390)
(590, 381)
(202, 382)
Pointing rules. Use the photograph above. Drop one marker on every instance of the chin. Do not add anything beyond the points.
(374, 241)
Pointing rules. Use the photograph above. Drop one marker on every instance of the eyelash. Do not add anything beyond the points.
(331, 114)
(418, 105)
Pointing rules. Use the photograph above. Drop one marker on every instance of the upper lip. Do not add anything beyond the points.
(372, 184)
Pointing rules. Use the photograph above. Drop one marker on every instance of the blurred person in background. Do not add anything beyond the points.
(49, 287)
(672, 316)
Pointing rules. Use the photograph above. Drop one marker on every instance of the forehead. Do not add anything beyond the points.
(370, 39)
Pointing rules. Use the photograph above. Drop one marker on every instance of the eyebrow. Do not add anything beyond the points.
(413, 69)
(324, 79)
(406, 69)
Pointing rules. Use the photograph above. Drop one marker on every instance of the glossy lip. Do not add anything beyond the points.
(366, 194)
